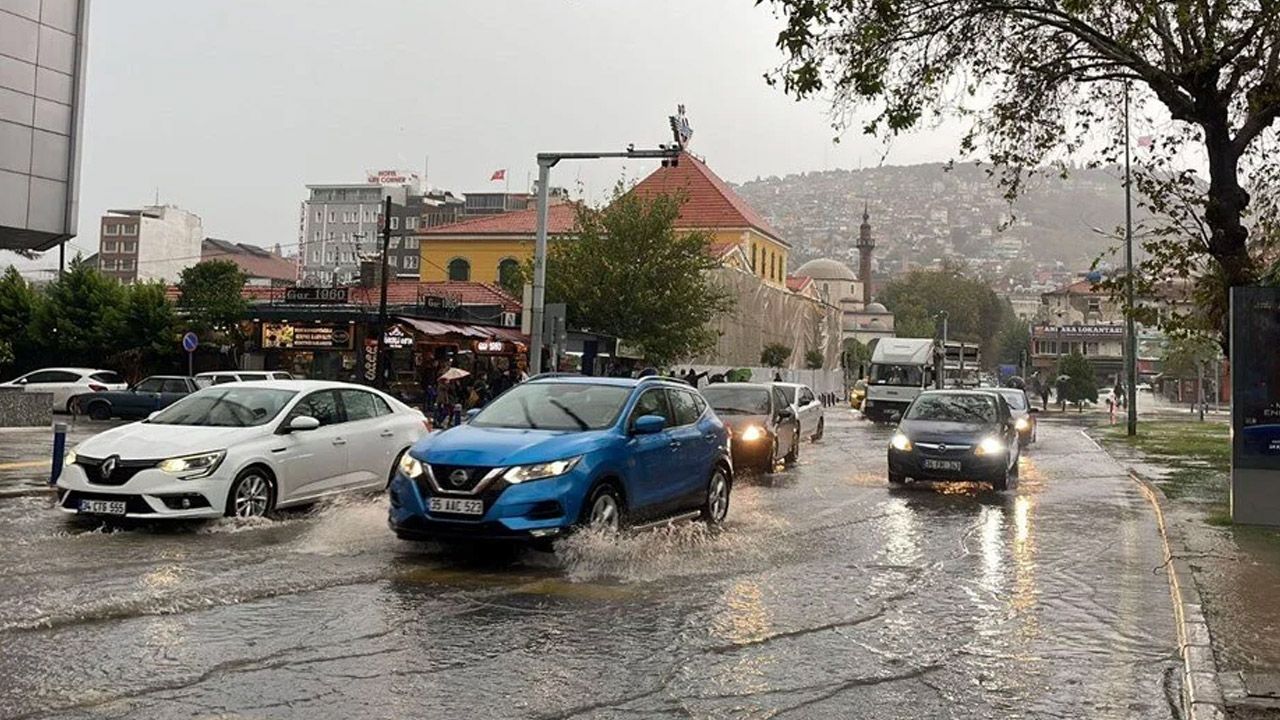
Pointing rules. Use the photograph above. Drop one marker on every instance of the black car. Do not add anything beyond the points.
(763, 427)
(956, 435)
(153, 393)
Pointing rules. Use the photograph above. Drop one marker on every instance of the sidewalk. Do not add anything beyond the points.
(1236, 570)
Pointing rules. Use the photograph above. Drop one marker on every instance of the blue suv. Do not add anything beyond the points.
(556, 453)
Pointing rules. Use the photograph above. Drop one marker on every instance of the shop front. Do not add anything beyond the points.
(315, 349)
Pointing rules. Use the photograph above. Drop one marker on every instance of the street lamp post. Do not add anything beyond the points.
(382, 295)
(1131, 339)
(942, 366)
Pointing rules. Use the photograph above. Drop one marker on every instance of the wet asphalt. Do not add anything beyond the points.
(828, 595)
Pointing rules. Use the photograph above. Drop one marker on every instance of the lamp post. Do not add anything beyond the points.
(382, 295)
(1131, 339)
(941, 369)
(682, 132)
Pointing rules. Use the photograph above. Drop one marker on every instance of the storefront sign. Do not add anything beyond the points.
(306, 337)
(397, 337)
(316, 295)
(1077, 331)
(490, 346)
(390, 177)
(629, 351)
(440, 302)
(370, 359)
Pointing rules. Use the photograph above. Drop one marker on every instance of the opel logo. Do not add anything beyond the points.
(459, 477)
(942, 447)
(109, 466)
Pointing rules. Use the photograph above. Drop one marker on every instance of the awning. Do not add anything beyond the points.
(479, 332)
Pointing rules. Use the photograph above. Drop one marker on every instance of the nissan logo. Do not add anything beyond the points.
(459, 477)
(109, 466)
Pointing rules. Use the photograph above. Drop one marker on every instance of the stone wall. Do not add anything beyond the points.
(25, 409)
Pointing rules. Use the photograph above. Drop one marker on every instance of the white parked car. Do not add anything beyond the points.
(65, 383)
(241, 449)
(807, 407)
(218, 377)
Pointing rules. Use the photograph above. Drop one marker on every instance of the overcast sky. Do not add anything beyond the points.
(229, 107)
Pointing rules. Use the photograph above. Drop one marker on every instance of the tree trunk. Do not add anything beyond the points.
(1224, 209)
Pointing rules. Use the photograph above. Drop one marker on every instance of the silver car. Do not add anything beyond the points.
(807, 407)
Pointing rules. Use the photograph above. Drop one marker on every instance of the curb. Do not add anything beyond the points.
(1202, 693)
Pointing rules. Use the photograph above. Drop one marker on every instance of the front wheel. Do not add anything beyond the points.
(604, 510)
(897, 478)
(793, 455)
(1000, 483)
(822, 423)
(252, 495)
(716, 507)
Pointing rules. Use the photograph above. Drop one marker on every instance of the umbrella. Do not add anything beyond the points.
(454, 374)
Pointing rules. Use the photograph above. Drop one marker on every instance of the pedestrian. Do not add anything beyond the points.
(693, 376)
(777, 376)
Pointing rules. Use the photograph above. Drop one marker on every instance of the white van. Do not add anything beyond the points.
(900, 369)
(209, 379)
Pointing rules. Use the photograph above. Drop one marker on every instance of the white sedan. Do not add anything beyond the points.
(67, 382)
(243, 450)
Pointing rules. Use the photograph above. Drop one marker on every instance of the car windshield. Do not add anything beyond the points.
(555, 406)
(738, 400)
(953, 408)
(789, 392)
(911, 375)
(1016, 399)
(226, 407)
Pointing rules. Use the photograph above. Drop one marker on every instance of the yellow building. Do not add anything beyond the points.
(483, 249)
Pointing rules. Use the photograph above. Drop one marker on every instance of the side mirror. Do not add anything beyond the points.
(303, 422)
(649, 424)
(471, 414)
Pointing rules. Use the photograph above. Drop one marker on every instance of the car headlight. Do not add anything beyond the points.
(190, 467)
(70, 458)
(990, 446)
(539, 471)
(1021, 423)
(410, 467)
(752, 433)
(899, 441)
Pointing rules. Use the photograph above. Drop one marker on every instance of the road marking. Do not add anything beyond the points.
(1089, 437)
(25, 464)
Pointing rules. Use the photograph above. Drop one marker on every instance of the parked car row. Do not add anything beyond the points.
(549, 455)
(101, 394)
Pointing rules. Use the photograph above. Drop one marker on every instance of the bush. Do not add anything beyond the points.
(774, 355)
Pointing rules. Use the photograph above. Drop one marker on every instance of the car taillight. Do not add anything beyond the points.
(96, 387)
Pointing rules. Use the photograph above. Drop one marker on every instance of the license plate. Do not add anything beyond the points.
(457, 506)
(102, 507)
(952, 465)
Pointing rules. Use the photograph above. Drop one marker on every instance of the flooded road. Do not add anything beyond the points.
(827, 595)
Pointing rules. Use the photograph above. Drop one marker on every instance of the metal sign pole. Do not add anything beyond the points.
(539, 267)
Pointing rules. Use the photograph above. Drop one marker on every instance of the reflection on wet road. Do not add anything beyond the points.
(827, 595)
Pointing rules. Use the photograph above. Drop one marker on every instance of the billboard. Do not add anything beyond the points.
(301, 336)
(1255, 405)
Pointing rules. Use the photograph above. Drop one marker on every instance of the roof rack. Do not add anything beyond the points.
(668, 378)
(539, 376)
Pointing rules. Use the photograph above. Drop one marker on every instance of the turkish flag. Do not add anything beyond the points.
(499, 175)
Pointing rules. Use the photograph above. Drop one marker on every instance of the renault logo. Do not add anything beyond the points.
(459, 477)
(109, 466)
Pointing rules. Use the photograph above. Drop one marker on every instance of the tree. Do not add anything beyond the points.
(1080, 384)
(1055, 71)
(148, 337)
(1183, 356)
(813, 359)
(626, 271)
(18, 305)
(80, 317)
(210, 297)
(974, 313)
(856, 354)
(1014, 341)
(774, 355)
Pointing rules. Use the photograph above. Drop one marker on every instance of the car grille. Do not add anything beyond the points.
(123, 472)
(133, 504)
(449, 477)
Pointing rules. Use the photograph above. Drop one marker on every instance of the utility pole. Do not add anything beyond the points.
(1200, 387)
(941, 369)
(1131, 339)
(382, 296)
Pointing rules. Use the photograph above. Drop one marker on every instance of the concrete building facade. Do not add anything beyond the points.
(339, 223)
(42, 63)
(156, 242)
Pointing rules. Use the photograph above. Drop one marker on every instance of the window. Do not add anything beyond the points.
(391, 260)
(108, 246)
(319, 216)
(368, 216)
(651, 402)
(410, 242)
(459, 270)
(126, 264)
(106, 376)
(109, 229)
(333, 216)
(806, 396)
(150, 385)
(174, 385)
(683, 407)
(362, 405)
(411, 223)
(51, 376)
(779, 399)
(753, 258)
(130, 247)
(395, 222)
(411, 262)
(508, 272)
(393, 243)
(321, 405)
(129, 230)
(328, 256)
(318, 236)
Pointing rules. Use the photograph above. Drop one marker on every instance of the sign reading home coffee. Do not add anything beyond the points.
(316, 295)
(302, 336)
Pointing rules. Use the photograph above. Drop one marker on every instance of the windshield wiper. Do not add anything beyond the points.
(524, 407)
(582, 424)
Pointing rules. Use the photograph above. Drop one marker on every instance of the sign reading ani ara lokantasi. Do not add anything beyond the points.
(1255, 405)
(303, 336)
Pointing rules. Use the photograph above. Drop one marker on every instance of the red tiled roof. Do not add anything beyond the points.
(709, 202)
(561, 219)
(254, 261)
(399, 292)
(1079, 287)
(797, 283)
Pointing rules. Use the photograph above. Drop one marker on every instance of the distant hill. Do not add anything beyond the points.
(928, 211)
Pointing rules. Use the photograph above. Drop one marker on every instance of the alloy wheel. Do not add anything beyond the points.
(253, 494)
(718, 498)
(604, 513)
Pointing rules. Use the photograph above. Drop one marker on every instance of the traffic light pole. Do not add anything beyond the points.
(546, 161)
